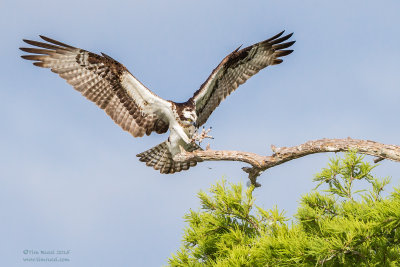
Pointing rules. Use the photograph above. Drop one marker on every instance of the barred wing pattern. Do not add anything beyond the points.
(104, 81)
(235, 69)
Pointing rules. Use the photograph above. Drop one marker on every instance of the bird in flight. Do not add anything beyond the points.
(138, 110)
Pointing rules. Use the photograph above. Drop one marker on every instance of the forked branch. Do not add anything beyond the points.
(281, 155)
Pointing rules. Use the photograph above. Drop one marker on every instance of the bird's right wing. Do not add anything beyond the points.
(106, 82)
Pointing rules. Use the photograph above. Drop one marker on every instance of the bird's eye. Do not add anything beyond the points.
(189, 120)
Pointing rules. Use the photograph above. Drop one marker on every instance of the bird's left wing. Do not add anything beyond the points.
(235, 69)
(104, 81)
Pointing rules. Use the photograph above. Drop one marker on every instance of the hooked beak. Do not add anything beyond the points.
(194, 124)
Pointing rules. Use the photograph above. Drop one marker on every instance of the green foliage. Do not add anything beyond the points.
(331, 228)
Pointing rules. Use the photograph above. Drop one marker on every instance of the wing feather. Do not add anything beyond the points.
(104, 81)
(235, 69)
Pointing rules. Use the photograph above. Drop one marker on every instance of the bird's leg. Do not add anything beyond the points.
(200, 136)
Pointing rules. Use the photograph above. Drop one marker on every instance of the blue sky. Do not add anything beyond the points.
(69, 176)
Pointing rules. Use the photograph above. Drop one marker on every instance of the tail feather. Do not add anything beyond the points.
(160, 158)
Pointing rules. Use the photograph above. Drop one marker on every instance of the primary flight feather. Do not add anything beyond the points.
(138, 110)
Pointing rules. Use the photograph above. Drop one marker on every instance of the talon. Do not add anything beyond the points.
(200, 136)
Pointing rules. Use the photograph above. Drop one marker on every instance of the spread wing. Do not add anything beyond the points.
(104, 81)
(235, 69)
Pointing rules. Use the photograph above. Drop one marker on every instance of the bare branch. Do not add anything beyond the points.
(376, 160)
(281, 155)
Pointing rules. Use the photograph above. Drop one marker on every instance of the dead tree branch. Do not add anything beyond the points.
(281, 155)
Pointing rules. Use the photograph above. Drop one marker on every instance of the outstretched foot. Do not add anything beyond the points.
(200, 136)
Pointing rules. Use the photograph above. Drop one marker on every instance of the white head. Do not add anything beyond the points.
(188, 117)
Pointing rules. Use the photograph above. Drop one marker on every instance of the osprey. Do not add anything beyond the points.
(138, 110)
